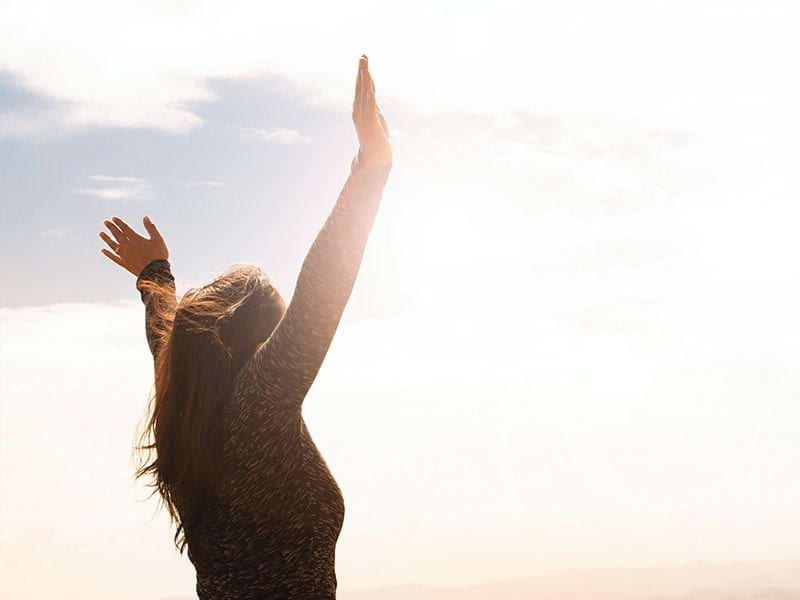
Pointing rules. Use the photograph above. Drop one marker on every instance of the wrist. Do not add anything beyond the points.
(364, 167)
(158, 269)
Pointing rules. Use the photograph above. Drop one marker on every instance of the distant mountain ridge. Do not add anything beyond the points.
(767, 580)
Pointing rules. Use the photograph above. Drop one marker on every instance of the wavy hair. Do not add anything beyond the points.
(202, 343)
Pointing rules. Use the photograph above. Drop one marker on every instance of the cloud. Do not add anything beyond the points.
(114, 179)
(586, 437)
(499, 57)
(118, 193)
(58, 232)
(202, 184)
(281, 135)
(118, 188)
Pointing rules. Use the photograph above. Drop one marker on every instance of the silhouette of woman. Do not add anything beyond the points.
(249, 492)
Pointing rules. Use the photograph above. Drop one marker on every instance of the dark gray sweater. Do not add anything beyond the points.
(272, 532)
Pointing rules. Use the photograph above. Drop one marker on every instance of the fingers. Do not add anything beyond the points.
(126, 229)
(113, 257)
(107, 239)
(369, 92)
(357, 101)
(118, 234)
(364, 100)
(367, 116)
(366, 84)
(151, 228)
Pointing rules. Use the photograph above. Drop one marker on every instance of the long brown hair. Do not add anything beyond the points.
(202, 342)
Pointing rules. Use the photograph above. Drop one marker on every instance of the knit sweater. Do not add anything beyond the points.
(271, 532)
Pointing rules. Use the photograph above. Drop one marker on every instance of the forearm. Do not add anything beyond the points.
(286, 364)
(156, 286)
(334, 259)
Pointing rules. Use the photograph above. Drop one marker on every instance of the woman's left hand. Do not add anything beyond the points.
(130, 250)
(375, 150)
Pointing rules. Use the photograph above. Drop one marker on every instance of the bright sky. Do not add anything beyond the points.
(574, 340)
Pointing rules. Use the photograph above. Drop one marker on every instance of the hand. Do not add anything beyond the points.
(132, 251)
(373, 132)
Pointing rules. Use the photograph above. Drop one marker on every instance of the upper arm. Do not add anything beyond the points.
(286, 365)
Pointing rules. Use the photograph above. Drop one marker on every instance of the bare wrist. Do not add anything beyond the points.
(363, 166)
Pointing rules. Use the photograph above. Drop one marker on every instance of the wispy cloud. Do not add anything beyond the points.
(282, 135)
(114, 179)
(117, 188)
(59, 233)
(201, 184)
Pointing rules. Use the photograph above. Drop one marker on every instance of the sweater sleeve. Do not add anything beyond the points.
(284, 367)
(159, 271)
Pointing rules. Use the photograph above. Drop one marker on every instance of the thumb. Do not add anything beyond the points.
(152, 229)
(383, 123)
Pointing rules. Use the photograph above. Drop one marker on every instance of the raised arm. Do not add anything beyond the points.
(146, 259)
(285, 365)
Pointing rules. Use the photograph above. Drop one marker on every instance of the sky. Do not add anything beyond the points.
(573, 341)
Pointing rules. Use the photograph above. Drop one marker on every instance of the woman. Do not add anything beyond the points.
(235, 465)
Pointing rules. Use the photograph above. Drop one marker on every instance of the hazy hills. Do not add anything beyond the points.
(768, 580)
(772, 580)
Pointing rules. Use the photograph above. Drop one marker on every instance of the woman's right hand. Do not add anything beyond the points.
(371, 128)
(132, 251)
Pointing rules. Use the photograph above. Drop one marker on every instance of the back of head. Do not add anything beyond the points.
(213, 332)
(223, 322)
